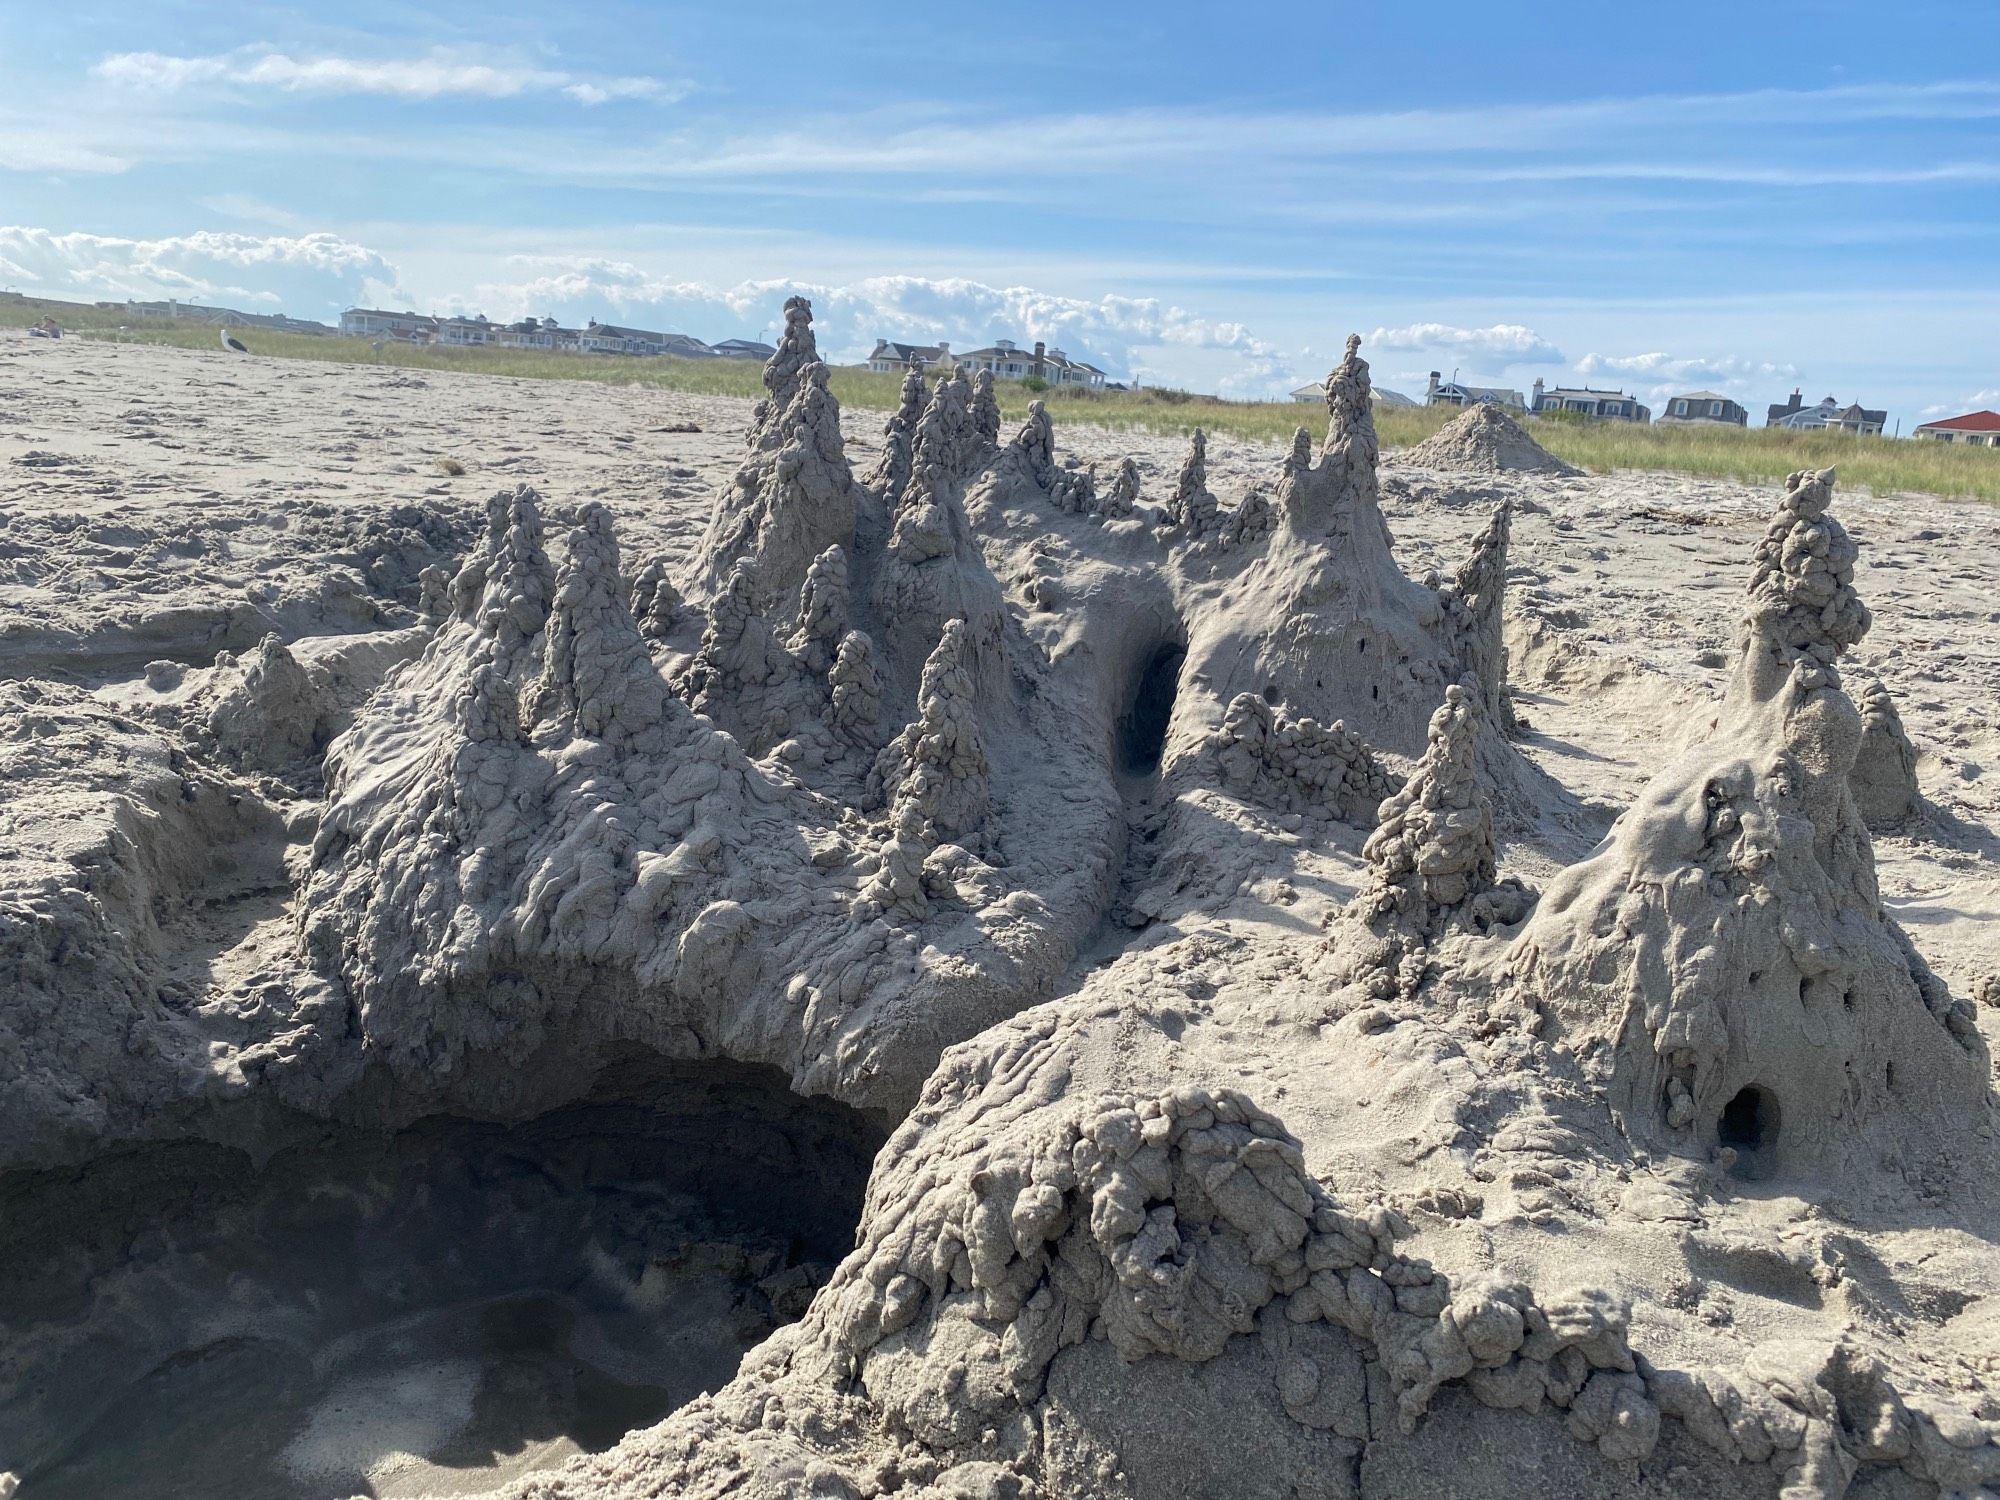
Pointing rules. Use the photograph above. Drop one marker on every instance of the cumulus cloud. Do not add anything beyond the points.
(1499, 345)
(1108, 331)
(437, 74)
(1659, 374)
(309, 274)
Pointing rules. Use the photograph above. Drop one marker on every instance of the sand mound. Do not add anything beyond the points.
(1487, 440)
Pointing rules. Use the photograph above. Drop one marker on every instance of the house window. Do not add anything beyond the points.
(1680, 408)
(1715, 408)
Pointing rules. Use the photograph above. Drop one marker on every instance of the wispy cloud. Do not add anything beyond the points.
(1500, 345)
(439, 73)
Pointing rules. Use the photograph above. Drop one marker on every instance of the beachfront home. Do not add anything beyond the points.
(1704, 406)
(742, 349)
(1828, 415)
(1584, 401)
(892, 358)
(609, 338)
(465, 333)
(1059, 369)
(1006, 360)
(373, 323)
(537, 333)
(1452, 393)
(1977, 429)
(1315, 395)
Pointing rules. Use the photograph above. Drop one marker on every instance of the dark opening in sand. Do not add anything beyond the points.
(1749, 1126)
(428, 1311)
(1142, 732)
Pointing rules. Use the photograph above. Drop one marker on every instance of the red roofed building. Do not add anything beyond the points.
(1981, 429)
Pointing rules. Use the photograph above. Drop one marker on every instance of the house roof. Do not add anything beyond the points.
(1705, 396)
(1495, 392)
(925, 353)
(1972, 421)
(745, 346)
(612, 330)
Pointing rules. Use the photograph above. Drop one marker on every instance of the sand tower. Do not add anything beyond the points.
(1723, 964)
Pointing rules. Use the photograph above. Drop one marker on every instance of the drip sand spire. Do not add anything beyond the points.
(597, 675)
(938, 763)
(1723, 964)
(986, 410)
(1473, 600)
(513, 607)
(1432, 849)
(899, 435)
(1192, 507)
(796, 349)
(823, 611)
(794, 495)
(1803, 611)
(656, 603)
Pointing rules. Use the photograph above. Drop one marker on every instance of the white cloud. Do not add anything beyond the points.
(1501, 344)
(439, 73)
(1662, 374)
(308, 275)
(1108, 331)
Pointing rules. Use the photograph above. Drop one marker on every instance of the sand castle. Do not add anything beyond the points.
(1145, 900)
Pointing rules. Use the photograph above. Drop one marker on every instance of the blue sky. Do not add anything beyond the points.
(1738, 197)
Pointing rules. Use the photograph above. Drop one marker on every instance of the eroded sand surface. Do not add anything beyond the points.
(1136, 912)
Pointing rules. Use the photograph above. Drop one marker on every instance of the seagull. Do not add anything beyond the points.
(233, 344)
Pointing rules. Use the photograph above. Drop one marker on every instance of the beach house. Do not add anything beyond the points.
(1976, 429)
(1704, 406)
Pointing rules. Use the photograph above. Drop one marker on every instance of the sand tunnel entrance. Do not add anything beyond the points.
(1142, 729)
(430, 1311)
(1749, 1126)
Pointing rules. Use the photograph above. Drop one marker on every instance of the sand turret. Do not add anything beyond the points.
(1036, 443)
(796, 349)
(1472, 601)
(656, 603)
(857, 686)
(1432, 849)
(795, 495)
(899, 435)
(938, 763)
(1122, 497)
(597, 675)
(823, 610)
(1884, 778)
(1723, 964)
(985, 409)
(1319, 617)
(737, 651)
(1192, 507)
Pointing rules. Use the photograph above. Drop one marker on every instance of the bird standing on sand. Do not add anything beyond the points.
(232, 343)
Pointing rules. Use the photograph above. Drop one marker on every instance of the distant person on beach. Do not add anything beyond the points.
(48, 328)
